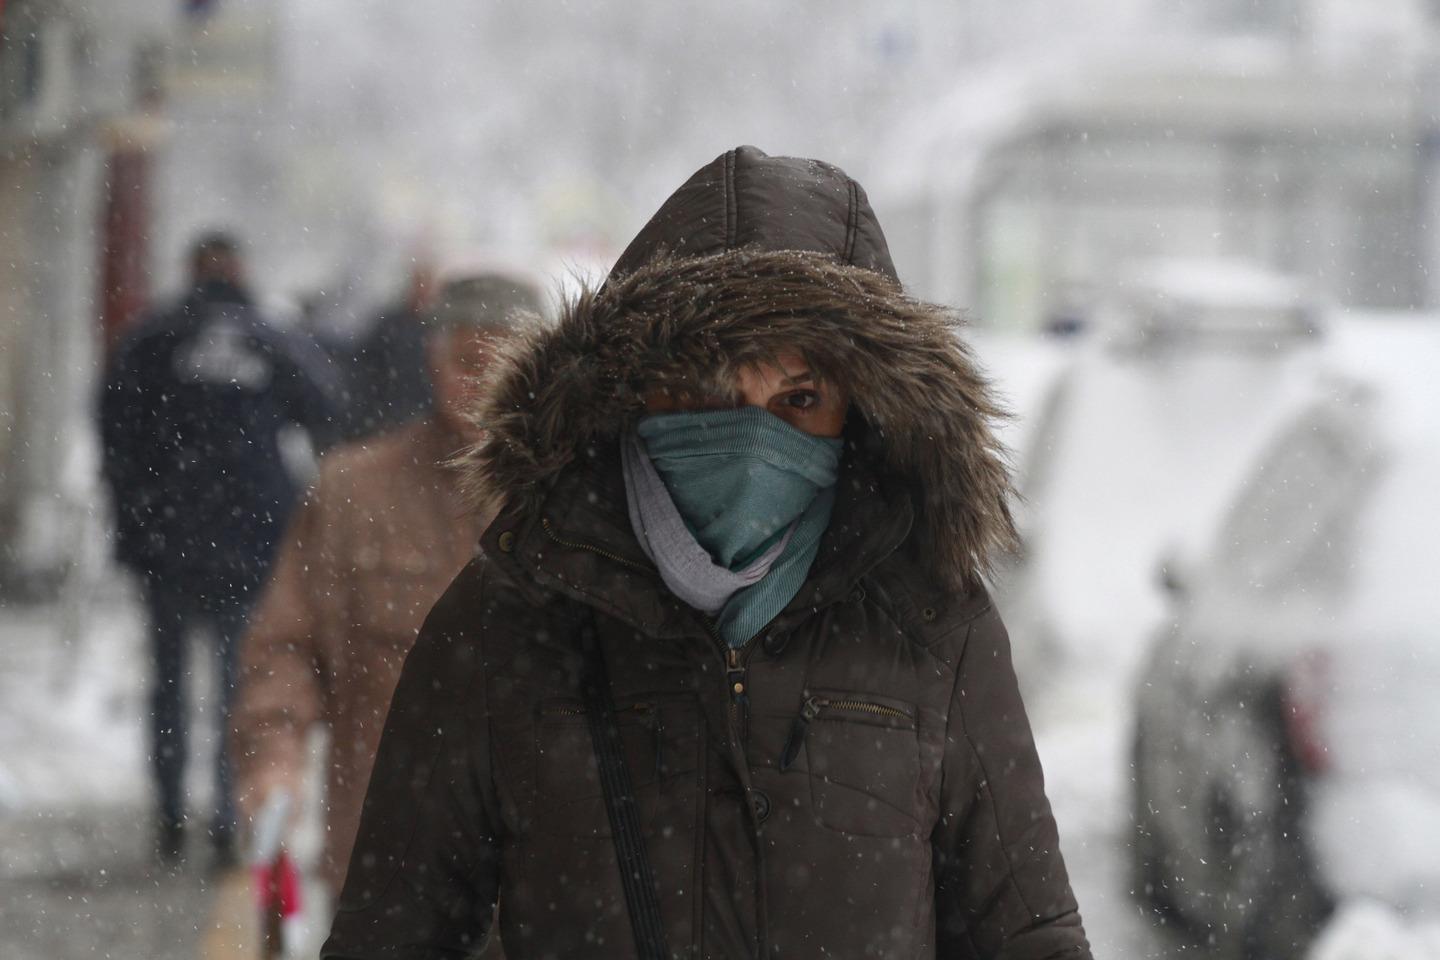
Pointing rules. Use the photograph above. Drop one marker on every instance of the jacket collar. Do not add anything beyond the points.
(580, 543)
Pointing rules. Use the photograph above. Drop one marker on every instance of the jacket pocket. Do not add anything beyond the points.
(862, 754)
(660, 740)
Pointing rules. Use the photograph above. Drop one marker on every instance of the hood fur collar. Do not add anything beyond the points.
(690, 324)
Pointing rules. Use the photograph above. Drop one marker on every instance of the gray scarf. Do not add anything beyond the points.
(685, 566)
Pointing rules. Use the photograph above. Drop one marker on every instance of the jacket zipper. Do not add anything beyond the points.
(811, 709)
(591, 548)
(863, 706)
(734, 664)
(737, 662)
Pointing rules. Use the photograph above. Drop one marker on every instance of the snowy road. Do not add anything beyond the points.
(80, 884)
(76, 878)
(1082, 730)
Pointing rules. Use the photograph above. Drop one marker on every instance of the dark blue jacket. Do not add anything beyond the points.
(389, 380)
(194, 406)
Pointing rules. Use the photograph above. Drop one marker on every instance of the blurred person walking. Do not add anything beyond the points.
(383, 531)
(389, 379)
(193, 411)
(725, 680)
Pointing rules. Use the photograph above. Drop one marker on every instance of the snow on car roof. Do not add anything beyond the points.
(1397, 546)
(1218, 283)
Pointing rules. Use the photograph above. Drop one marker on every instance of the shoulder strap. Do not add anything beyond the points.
(636, 876)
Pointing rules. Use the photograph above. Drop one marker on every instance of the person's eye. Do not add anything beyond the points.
(801, 399)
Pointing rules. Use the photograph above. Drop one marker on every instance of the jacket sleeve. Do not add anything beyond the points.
(1001, 888)
(118, 395)
(424, 875)
(127, 466)
(284, 674)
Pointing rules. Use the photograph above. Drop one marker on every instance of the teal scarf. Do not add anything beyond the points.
(754, 492)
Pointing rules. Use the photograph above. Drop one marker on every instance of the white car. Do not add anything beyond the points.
(1287, 737)
(1176, 386)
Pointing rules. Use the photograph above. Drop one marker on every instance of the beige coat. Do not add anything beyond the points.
(382, 533)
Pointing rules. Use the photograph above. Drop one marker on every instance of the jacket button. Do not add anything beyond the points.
(761, 803)
(506, 541)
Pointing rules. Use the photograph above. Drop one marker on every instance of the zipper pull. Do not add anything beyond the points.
(808, 712)
(735, 675)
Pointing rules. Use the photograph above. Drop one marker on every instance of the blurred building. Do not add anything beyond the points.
(223, 159)
(1309, 151)
(77, 86)
(125, 129)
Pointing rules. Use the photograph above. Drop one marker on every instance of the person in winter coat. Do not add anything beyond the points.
(194, 406)
(389, 380)
(751, 492)
(384, 529)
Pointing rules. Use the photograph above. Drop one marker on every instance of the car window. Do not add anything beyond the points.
(1287, 528)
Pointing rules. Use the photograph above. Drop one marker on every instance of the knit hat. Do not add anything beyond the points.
(485, 301)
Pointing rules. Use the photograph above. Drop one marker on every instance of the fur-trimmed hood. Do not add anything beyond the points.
(689, 322)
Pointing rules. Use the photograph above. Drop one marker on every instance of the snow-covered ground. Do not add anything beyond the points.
(77, 879)
(1082, 720)
(76, 876)
(71, 700)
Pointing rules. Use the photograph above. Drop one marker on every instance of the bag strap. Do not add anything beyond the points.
(636, 876)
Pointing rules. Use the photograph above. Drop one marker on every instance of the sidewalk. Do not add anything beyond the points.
(80, 884)
(76, 875)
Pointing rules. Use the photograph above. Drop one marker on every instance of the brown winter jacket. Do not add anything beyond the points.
(912, 821)
(384, 529)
